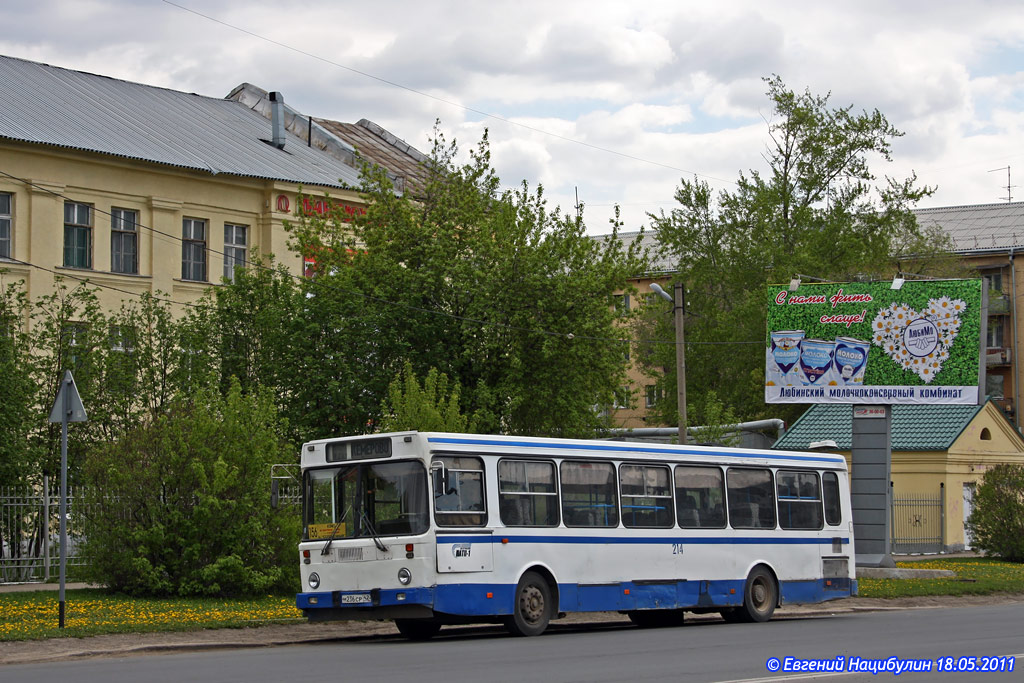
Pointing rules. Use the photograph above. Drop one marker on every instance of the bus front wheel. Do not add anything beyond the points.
(533, 606)
(760, 594)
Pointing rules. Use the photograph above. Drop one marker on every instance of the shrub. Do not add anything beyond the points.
(997, 521)
(181, 506)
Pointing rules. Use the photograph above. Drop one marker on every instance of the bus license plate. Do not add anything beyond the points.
(355, 598)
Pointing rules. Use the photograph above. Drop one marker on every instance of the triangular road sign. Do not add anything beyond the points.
(68, 402)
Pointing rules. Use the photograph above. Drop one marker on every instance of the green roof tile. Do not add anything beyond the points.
(914, 427)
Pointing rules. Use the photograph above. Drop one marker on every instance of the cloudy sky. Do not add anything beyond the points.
(614, 100)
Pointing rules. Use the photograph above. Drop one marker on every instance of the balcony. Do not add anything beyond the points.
(995, 356)
(998, 304)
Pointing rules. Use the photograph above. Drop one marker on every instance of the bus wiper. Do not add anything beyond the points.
(373, 532)
(327, 546)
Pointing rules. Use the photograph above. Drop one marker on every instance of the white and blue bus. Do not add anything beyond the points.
(431, 529)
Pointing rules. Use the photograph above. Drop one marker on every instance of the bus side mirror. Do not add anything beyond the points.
(275, 493)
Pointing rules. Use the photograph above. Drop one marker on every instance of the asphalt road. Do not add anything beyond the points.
(702, 651)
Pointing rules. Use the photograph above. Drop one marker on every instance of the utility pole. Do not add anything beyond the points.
(679, 309)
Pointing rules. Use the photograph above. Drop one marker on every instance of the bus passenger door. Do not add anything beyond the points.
(465, 551)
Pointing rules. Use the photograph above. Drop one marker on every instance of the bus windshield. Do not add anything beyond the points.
(365, 500)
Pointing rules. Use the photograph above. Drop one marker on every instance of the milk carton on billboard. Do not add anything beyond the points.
(784, 358)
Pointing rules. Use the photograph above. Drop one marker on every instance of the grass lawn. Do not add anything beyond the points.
(974, 576)
(26, 616)
(88, 612)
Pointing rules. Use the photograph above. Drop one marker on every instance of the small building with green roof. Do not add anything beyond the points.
(939, 452)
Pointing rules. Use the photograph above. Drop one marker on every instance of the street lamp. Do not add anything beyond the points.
(678, 305)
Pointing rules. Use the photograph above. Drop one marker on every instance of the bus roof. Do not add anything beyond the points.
(584, 448)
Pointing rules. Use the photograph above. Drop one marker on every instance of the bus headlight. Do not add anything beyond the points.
(314, 580)
(404, 576)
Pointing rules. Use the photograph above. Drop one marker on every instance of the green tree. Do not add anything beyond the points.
(507, 298)
(429, 407)
(181, 505)
(69, 331)
(997, 520)
(818, 210)
(17, 390)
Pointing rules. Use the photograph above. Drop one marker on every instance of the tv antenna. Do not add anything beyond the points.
(1009, 186)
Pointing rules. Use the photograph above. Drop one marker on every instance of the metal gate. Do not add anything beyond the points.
(29, 533)
(918, 522)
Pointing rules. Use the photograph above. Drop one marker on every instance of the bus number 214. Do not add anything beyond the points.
(677, 548)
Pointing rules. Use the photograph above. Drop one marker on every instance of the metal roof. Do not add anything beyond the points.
(974, 228)
(49, 105)
(978, 227)
(914, 427)
(381, 147)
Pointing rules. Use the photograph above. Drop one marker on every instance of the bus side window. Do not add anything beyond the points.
(646, 496)
(799, 500)
(700, 493)
(526, 493)
(751, 498)
(460, 500)
(830, 493)
(589, 497)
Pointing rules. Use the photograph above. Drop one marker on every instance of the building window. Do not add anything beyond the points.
(193, 249)
(995, 280)
(77, 235)
(994, 386)
(653, 395)
(995, 332)
(124, 241)
(622, 398)
(5, 225)
(620, 302)
(121, 339)
(235, 241)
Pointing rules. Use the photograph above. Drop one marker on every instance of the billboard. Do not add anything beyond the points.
(864, 342)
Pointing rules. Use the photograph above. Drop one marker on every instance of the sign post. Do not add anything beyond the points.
(67, 408)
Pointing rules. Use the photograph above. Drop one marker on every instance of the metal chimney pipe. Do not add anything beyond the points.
(277, 119)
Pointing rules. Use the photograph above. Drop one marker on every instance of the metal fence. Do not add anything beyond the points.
(30, 526)
(30, 532)
(918, 522)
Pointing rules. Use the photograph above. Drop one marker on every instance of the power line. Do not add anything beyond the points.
(348, 292)
(443, 100)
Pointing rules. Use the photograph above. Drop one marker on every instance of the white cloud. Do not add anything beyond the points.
(676, 84)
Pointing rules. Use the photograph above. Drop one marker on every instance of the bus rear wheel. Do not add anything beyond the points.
(657, 618)
(418, 629)
(533, 606)
(760, 595)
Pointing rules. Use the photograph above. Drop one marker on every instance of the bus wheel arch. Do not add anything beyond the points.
(535, 602)
(760, 597)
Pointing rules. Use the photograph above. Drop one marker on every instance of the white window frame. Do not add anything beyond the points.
(6, 226)
(193, 248)
(78, 224)
(235, 250)
(121, 230)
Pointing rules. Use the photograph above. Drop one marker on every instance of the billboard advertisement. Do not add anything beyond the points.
(864, 342)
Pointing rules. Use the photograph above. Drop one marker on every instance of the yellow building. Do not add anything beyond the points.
(939, 454)
(142, 189)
